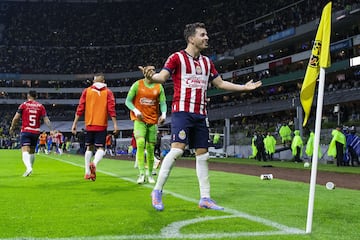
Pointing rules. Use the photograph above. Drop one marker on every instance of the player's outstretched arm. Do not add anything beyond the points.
(225, 85)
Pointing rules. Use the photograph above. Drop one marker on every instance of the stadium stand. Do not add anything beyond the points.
(55, 47)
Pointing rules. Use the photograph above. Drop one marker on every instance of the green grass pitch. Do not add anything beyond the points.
(55, 202)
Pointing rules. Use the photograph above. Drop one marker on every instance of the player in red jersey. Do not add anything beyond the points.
(191, 73)
(31, 112)
(58, 140)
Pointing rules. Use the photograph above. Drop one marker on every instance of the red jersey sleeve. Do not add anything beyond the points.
(111, 103)
(213, 72)
(81, 107)
(172, 63)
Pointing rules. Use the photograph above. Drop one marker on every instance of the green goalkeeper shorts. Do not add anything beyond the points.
(148, 131)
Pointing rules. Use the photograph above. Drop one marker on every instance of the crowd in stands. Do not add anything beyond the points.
(71, 38)
(280, 92)
(40, 37)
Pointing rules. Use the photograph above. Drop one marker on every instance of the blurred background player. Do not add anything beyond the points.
(133, 149)
(144, 99)
(309, 149)
(270, 145)
(353, 146)
(31, 112)
(52, 140)
(43, 143)
(109, 144)
(297, 146)
(337, 146)
(285, 134)
(58, 138)
(96, 103)
(260, 146)
(253, 146)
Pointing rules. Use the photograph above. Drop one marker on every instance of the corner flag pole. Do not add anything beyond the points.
(319, 60)
(316, 150)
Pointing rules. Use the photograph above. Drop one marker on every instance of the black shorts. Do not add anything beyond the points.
(29, 139)
(96, 138)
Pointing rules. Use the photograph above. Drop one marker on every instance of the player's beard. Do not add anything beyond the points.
(204, 45)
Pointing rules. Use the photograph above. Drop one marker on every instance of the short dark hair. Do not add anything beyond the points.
(99, 75)
(32, 93)
(190, 29)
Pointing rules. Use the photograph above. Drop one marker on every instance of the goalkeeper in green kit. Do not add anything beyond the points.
(146, 100)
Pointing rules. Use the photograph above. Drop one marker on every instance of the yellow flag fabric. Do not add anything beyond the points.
(320, 57)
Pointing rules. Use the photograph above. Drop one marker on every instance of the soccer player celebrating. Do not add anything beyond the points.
(96, 102)
(31, 112)
(191, 73)
(143, 100)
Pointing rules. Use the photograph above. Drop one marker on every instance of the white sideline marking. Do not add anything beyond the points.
(172, 231)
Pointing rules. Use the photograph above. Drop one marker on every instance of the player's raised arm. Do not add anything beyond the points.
(150, 73)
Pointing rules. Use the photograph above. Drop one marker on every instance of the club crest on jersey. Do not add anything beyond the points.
(182, 134)
(198, 70)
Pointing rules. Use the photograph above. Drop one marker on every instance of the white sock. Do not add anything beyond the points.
(26, 160)
(88, 156)
(202, 171)
(166, 167)
(32, 159)
(98, 156)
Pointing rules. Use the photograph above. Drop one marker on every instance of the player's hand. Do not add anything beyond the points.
(148, 71)
(161, 120)
(116, 133)
(138, 114)
(250, 85)
(73, 130)
(140, 117)
(11, 130)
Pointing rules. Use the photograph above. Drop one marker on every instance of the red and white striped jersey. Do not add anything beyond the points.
(191, 78)
(58, 138)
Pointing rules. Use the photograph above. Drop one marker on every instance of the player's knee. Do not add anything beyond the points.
(140, 142)
(203, 157)
(100, 151)
(176, 152)
(150, 146)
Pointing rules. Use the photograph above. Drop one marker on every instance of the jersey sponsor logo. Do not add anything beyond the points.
(147, 101)
(36, 105)
(195, 82)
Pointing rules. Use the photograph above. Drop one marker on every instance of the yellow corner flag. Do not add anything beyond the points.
(320, 57)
